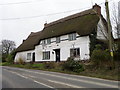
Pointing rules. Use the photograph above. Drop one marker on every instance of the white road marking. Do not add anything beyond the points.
(22, 76)
(70, 85)
(43, 84)
(74, 79)
(87, 77)
(89, 82)
(94, 78)
(29, 78)
(16, 73)
(74, 86)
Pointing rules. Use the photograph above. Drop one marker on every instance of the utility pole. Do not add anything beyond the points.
(109, 29)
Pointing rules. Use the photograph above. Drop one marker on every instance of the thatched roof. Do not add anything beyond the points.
(82, 23)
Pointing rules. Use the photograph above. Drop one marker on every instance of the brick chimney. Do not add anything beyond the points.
(97, 8)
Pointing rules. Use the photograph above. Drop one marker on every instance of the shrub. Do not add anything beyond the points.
(72, 65)
(97, 56)
(10, 59)
(6, 64)
(117, 56)
(77, 67)
(49, 65)
(117, 52)
(101, 58)
(98, 46)
(28, 65)
(4, 57)
(20, 61)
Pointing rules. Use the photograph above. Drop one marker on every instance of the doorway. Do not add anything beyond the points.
(57, 52)
(33, 57)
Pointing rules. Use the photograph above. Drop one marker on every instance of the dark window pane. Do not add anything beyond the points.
(46, 55)
(57, 39)
(72, 36)
(75, 52)
(28, 56)
(48, 41)
(43, 42)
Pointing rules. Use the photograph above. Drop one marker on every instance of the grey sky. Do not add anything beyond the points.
(19, 29)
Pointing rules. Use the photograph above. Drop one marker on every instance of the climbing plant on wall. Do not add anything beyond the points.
(93, 40)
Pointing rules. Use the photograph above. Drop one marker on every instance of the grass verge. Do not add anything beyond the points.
(90, 71)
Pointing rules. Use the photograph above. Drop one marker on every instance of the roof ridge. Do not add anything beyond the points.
(34, 33)
(86, 12)
(69, 24)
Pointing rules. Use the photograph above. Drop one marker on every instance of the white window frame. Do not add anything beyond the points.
(48, 41)
(72, 37)
(57, 39)
(43, 42)
(46, 55)
(29, 56)
(75, 52)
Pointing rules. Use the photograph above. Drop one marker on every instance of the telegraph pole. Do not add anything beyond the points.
(109, 29)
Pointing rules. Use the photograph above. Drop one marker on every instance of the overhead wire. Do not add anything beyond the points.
(38, 16)
(29, 2)
(19, 2)
(43, 15)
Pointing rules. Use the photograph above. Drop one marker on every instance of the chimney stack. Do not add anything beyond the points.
(97, 8)
(45, 25)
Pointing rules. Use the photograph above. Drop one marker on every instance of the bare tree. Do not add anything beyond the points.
(119, 18)
(8, 46)
(115, 20)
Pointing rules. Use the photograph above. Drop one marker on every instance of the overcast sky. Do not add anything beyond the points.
(18, 18)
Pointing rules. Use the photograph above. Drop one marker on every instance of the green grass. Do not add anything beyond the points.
(105, 74)
(89, 70)
(5, 64)
(38, 65)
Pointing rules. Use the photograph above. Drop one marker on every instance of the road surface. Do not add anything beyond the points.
(27, 78)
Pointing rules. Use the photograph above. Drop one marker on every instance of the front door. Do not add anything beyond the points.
(33, 57)
(57, 52)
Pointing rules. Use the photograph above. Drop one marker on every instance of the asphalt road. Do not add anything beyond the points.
(27, 78)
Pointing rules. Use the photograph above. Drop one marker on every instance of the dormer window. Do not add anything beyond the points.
(48, 41)
(44, 42)
(72, 36)
(57, 39)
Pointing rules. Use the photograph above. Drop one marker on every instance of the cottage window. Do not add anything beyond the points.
(46, 55)
(43, 42)
(75, 52)
(28, 56)
(72, 36)
(57, 39)
(48, 41)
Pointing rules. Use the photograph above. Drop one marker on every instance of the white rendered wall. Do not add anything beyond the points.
(101, 31)
(23, 56)
(64, 46)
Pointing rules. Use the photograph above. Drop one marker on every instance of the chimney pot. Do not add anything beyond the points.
(45, 25)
